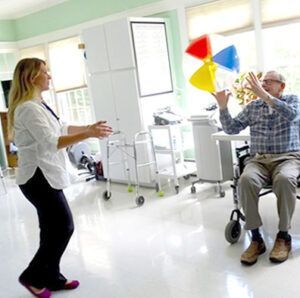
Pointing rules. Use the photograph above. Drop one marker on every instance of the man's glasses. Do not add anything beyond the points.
(270, 81)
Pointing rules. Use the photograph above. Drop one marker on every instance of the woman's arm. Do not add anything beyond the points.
(76, 128)
(79, 133)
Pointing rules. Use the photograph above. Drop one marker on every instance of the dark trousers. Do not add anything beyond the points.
(56, 228)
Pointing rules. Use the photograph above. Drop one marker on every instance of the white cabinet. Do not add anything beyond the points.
(213, 160)
(96, 53)
(168, 149)
(114, 89)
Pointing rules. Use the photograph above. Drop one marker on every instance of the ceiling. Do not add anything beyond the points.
(12, 9)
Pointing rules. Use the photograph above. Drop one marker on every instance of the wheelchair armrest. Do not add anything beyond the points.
(241, 154)
(245, 147)
(241, 151)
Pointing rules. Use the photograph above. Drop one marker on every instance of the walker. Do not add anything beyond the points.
(120, 143)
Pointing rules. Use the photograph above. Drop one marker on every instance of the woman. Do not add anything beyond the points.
(42, 175)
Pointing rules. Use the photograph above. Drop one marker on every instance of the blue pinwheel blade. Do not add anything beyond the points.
(228, 58)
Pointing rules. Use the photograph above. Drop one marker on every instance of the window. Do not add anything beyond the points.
(68, 79)
(279, 20)
(77, 110)
(279, 11)
(76, 106)
(282, 53)
(66, 64)
(69, 82)
(237, 29)
(245, 45)
(274, 36)
(37, 52)
(209, 18)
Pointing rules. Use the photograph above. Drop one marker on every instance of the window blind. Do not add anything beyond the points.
(218, 17)
(279, 11)
(66, 65)
(33, 52)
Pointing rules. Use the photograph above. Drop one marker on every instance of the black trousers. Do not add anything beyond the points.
(56, 228)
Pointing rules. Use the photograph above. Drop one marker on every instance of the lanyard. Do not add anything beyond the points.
(50, 110)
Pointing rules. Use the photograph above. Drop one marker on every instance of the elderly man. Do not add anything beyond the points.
(274, 121)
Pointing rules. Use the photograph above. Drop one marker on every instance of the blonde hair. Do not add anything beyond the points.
(22, 87)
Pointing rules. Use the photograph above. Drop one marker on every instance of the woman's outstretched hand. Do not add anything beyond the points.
(99, 130)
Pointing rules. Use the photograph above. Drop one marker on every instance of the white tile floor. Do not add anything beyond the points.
(171, 247)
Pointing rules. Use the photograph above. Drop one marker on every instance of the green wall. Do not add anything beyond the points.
(7, 30)
(71, 13)
(64, 15)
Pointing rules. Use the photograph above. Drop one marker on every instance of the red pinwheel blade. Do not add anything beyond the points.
(200, 48)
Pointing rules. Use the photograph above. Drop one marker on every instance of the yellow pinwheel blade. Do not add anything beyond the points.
(204, 77)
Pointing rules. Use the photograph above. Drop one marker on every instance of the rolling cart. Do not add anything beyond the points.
(120, 143)
(168, 144)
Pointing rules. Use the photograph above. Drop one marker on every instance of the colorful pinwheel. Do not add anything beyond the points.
(206, 77)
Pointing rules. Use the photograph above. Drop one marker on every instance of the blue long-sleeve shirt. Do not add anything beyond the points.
(271, 131)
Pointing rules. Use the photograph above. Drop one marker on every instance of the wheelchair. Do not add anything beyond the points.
(233, 228)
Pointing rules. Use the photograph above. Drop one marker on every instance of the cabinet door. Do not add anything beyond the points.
(105, 109)
(103, 98)
(95, 47)
(119, 44)
(130, 121)
(127, 101)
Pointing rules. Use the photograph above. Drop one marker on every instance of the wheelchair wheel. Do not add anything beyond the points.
(139, 201)
(233, 231)
(106, 195)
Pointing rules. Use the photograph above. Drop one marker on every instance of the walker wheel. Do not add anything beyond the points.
(233, 231)
(140, 201)
(130, 188)
(177, 189)
(106, 195)
(161, 193)
(222, 194)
